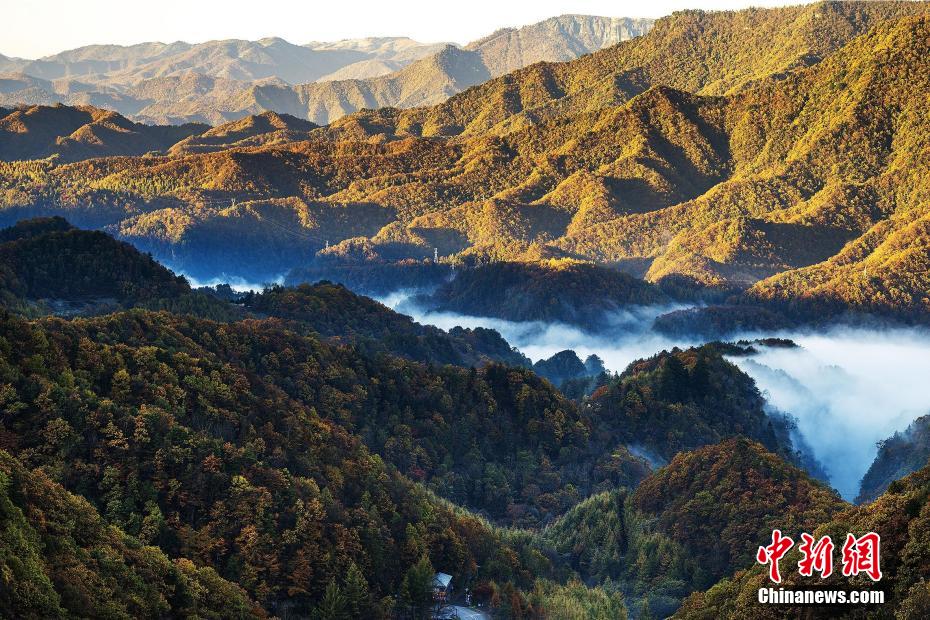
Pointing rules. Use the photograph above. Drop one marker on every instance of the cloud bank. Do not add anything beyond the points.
(847, 388)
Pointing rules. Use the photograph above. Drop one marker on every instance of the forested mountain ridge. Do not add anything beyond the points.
(334, 311)
(77, 133)
(293, 465)
(49, 267)
(680, 400)
(188, 447)
(899, 516)
(689, 524)
(572, 293)
(898, 456)
(321, 474)
(241, 446)
(261, 129)
(47, 258)
(701, 52)
(432, 422)
(805, 185)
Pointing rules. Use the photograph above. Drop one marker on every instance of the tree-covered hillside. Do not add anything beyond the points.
(60, 559)
(689, 524)
(297, 462)
(775, 150)
(332, 310)
(899, 455)
(232, 445)
(570, 292)
(294, 466)
(682, 400)
(49, 267)
(899, 516)
(307, 452)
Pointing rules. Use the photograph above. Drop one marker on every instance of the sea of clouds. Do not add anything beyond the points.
(848, 388)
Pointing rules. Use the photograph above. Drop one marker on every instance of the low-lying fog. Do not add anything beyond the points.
(848, 387)
(626, 336)
(236, 283)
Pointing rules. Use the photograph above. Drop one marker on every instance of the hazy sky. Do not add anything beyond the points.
(34, 28)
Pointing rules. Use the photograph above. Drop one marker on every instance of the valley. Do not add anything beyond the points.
(572, 317)
(843, 385)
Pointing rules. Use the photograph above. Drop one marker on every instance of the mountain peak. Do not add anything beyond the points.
(348, 75)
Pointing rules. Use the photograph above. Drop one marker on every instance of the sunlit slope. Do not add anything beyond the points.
(688, 524)
(221, 81)
(809, 181)
(711, 53)
(72, 134)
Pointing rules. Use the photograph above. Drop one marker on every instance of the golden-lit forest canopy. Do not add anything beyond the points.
(690, 523)
(231, 445)
(251, 449)
(899, 516)
(779, 150)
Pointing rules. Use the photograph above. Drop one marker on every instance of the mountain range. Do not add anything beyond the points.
(303, 451)
(286, 447)
(789, 172)
(219, 81)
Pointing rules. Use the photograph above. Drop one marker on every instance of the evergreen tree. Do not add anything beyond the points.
(356, 593)
(645, 610)
(333, 605)
(700, 378)
(673, 379)
(417, 589)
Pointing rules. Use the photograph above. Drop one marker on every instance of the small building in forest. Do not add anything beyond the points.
(442, 587)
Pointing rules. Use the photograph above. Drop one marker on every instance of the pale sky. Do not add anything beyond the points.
(35, 28)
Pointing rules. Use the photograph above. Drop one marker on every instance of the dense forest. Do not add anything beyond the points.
(230, 444)
(574, 293)
(899, 455)
(49, 267)
(690, 523)
(334, 311)
(304, 451)
(899, 516)
(59, 559)
(293, 456)
(680, 400)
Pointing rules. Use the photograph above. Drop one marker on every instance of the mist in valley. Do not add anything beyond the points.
(236, 283)
(626, 336)
(848, 388)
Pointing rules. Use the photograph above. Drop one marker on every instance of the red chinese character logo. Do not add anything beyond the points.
(817, 556)
(773, 553)
(860, 555)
